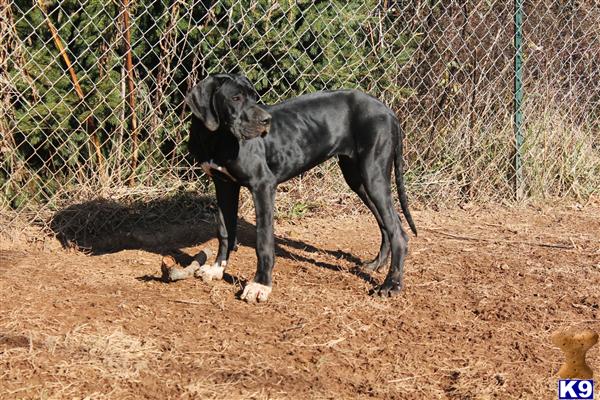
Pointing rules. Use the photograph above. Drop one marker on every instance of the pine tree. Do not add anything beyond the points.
(284, 47)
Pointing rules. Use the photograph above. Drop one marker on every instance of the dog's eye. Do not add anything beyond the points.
(237, 97)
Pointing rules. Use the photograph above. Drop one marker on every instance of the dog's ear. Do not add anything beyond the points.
(200, 100)
(245, 82)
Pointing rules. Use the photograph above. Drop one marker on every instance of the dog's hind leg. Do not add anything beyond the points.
(382, 199)
(375, 168)
(353, 178)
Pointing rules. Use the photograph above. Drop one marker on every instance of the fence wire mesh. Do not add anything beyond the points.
(92, 92)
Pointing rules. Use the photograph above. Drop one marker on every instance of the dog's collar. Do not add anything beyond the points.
(210, 165)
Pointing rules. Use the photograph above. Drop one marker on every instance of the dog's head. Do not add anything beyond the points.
(227, 101)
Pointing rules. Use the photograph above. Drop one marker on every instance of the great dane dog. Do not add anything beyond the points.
(242, 143)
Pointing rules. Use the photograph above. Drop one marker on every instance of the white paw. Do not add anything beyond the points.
(210, 272)
(254, 292)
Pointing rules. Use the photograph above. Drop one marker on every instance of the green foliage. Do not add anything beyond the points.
(299, 210)
(285, 47)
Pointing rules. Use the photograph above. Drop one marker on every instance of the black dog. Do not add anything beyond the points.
(241, 143)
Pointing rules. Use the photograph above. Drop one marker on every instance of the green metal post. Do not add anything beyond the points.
(518, 100)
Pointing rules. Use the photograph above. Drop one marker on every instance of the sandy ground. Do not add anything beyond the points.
(484, 289)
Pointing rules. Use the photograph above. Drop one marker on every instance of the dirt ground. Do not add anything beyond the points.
(484, 289)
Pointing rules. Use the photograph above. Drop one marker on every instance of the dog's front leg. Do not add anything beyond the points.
(228, 195)
(264, 201)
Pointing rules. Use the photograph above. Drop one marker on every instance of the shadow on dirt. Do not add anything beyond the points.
(164, 227)
(105, 226)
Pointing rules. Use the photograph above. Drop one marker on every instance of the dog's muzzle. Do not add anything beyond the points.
(259, 121)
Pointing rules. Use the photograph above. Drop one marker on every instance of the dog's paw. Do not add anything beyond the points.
(210, 272)
(254, 292)
(377, 264)
(388, 289)
(374, 265)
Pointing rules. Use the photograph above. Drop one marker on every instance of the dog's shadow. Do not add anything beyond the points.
(167, 225)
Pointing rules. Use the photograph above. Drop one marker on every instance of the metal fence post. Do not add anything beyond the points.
(518, 99)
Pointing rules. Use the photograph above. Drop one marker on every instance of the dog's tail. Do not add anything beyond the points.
(399, 172)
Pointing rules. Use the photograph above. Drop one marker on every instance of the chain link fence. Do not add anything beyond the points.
(93, 124)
